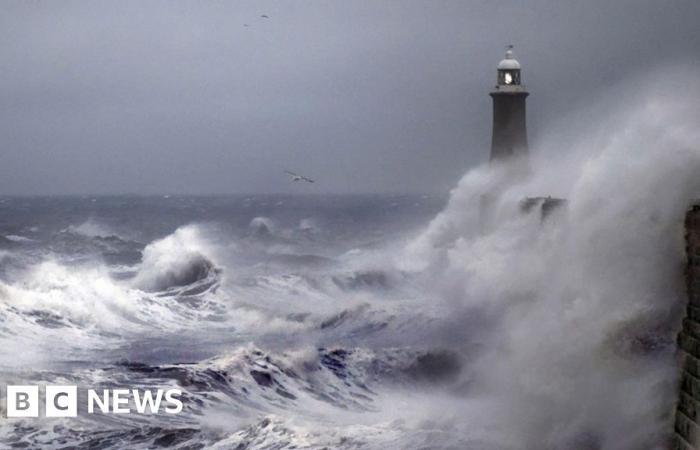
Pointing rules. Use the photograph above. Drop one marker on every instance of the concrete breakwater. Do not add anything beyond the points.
(687, 422)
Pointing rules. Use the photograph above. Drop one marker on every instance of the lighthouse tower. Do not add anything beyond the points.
(509, 141)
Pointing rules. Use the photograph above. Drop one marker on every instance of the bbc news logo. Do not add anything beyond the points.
(62, 401)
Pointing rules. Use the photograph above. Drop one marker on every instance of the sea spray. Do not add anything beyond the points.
(177, 260)
(581, 354)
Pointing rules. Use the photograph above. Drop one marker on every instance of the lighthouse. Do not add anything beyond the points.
(509, 139)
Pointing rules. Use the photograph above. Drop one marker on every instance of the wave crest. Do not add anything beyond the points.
(180, 259)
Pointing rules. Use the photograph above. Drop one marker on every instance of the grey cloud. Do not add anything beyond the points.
(156, 97)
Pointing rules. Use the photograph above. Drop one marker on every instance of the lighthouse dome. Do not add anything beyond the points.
(509, 62)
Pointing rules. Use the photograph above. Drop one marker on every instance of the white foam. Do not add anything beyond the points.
(571, 291)
(177, 259)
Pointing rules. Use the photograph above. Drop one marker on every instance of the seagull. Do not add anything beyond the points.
(296, 177)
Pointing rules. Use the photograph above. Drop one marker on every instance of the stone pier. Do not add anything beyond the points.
(687, 423)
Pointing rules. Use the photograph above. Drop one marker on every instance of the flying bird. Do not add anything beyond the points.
(265, 16)
(297, 177)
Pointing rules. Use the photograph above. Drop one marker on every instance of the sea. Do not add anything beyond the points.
(481, 319)
(282, 319)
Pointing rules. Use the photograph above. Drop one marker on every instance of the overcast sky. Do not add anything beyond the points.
(182, 97)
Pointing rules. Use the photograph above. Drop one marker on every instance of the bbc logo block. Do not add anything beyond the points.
(23, 401)
(60, 401)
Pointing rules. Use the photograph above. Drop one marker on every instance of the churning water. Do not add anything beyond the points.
(280, 318)
(380, 322)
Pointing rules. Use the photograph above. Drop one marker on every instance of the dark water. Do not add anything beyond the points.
(279, 317)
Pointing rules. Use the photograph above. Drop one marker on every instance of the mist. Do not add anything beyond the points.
(210, 97)
(585, 304)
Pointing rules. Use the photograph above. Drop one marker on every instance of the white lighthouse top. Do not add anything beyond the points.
(509, 62)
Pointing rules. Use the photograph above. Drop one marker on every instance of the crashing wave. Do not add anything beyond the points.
(574, 295)
(364, 279)
(308, 225)
(90, 238)
(90, 228)
(178, 260)
(261, 227)
(344, 378)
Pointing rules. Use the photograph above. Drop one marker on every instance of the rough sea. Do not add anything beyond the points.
(279, 317)
(373, 322)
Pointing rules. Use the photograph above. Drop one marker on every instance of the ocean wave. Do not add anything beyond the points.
(345, 378)
(261, 227)
(309, 225)
(17, 238)
(91, 228)
(178, 260)
(363, 279)
(588, 301)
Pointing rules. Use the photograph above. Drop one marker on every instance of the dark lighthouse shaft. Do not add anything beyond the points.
(509, 139)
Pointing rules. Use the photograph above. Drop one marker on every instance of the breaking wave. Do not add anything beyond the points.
(261, 227)
(178, 260)
(496, 327)
(91, 228)
(585, 304)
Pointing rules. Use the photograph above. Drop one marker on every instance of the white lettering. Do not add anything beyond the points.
(102, 403)
(170, 398)
(147, 401)
(119, 397)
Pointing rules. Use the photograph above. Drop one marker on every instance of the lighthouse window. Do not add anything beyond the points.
(508, 78)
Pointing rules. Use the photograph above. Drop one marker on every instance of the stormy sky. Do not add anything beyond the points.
(200, 97)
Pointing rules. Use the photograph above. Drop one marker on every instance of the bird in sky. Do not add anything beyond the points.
(265, 16)
(297, 177)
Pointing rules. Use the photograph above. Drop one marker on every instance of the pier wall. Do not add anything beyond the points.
(687, 422)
